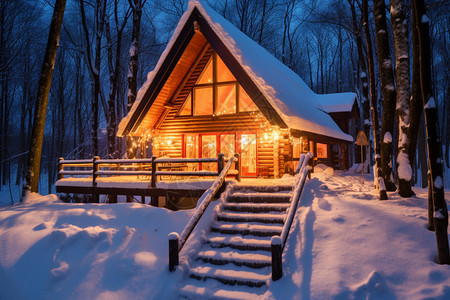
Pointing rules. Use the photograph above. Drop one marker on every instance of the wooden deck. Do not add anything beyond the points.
(160, 179)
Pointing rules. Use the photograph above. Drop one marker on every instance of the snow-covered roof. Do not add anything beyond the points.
(338, 102)
(289, 96)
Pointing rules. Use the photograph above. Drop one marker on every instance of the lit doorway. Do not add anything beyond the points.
(248, 154)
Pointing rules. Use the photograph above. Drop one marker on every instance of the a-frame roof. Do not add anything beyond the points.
(280, 94)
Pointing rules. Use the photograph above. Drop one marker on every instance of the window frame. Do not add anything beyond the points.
(215, 86)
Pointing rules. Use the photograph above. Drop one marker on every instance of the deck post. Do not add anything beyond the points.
(311, 164)
(220, 163)
(154, 199)
(153, 171)
(238, 167)
(60, 168)
(95, 197)
(173, 251)
(277, 267)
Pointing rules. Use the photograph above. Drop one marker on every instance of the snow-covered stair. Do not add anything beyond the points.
(235, 260)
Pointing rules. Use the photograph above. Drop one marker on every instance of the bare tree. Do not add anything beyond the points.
(373, 101)
(94, 66)
(34, 156)
(114, 68)
(136, 6)
(400, 29)
(434, 145)
(389, 93)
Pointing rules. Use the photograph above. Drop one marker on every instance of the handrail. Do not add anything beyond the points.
(278, 242)
(176, 242)
(142, 167)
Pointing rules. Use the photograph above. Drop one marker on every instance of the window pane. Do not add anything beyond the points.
(321, 150)
(248, 154)
(226, 99)
(223, 74)
(227, 144)
(209, 150)
(187, 109)
(245, 102)
(207, 73)
(203, 101)
(191, 150)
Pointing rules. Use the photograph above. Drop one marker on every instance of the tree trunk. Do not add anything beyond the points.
(34, 155)
(373, 102)
(415, 105)
(404, 169)
(136, 6)
(434, 145)
(365, 85)
(388, 90)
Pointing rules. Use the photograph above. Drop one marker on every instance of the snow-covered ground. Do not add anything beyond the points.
(344, 244)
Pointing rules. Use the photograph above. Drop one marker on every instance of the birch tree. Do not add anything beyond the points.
(400, 29)
(34, 156)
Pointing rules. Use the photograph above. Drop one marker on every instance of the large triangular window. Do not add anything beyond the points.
(216, 92)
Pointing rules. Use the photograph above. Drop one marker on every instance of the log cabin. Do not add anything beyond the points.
(214, 90)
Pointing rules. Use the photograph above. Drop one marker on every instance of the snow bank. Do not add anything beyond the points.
(343, 244)
(54, 250)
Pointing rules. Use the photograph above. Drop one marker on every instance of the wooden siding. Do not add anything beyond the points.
(183, 65)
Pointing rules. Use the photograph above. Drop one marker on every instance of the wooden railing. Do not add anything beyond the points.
(176, 242)
(97, 167)
(278, 242)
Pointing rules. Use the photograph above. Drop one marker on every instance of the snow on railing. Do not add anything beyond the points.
(278, 242)
(176, 242)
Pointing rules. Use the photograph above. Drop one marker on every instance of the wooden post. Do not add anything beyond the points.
(154, 199)
(60, 168)
(277, 267)
(95, 197)
(173, 251)
(311, 164)
(220, 163)
(153, 171)
(238, 167)
(362, 165)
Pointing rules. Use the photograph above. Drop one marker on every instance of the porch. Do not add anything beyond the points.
(168, 182)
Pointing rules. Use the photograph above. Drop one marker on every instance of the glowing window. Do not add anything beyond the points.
(223, 73)
(207, 73)
(187, 109)
(245, 102)
(226, 99)
(203, 101)
(321, 150)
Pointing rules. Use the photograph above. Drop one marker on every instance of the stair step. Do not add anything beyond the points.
(238, 242)
(251, 217)
(229, 276)
(260, 197)
(246, 229)
(262, 188)
(221, 257)
(205, 290)
(256, 207)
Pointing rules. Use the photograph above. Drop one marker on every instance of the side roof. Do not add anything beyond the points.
(338, 102)
(281, 95)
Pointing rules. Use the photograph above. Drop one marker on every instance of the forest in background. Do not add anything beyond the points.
(324, 44)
